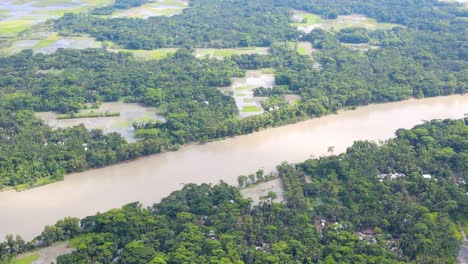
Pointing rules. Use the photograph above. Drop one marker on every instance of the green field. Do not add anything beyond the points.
(42, 10)
(27, 260)
(306, 22)
(250, 109)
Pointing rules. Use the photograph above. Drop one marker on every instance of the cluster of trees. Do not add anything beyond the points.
(180, 86)
(405, 220)
(411, 61)
(258, 177)
(205, 23)
(32, 153)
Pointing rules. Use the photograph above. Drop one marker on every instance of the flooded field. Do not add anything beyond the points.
(129, 113)
(156, 8)
(46, 255)
(19, 15)
(306, 22)
(258, 192)
(151, 178)
(242, 91)
(222, 53)
(49, 42)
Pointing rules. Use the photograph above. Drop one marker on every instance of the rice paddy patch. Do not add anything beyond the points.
(251, 108)
(122, 124)
(241, 90)
(27, 259)
(306, 22)
(17, 16)
(156, 8)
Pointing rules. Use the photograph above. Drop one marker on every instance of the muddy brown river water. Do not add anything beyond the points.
(151, 178)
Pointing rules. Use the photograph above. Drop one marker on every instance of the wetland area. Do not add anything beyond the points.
(151, 178)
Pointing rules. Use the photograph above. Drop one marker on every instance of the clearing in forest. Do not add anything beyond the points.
(121, 118)
(156, 8)
(242, 91)
(306, 22)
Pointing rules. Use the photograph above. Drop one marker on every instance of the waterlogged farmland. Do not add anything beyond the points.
(306, 22)
(49, 42)
(19, 15)
(156, 8)
(121, 123)
(242, 91)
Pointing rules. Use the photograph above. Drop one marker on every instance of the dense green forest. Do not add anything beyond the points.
(206, 23)
(426, 57)
(231, 23)
(365, 219)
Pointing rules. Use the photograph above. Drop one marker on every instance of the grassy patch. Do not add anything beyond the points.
(268, 71)
(306, 19)
(241, 94)
(27, 260)
(38, 182)
(250, 109)
(48, 41)
(13, 27)
(249, 100)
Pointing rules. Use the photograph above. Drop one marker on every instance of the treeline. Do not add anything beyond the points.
(345, 214)
(205, 23)
(119, 4)
(181, 86)
(229, 23)
(409, 62)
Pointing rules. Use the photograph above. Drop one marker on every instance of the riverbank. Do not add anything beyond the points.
(49, 180)
(149, 179)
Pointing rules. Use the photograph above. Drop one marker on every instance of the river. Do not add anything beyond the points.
(151, 178)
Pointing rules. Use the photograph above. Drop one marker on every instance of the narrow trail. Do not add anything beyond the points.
(462, 257)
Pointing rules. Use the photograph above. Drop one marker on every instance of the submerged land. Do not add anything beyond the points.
(88, 85)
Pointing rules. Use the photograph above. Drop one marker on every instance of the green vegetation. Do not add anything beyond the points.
(305, 19)
(27, 260)
(261, 24)
(425, 58)
(90, 114)
(361, 218)
(38, 11)
(250, 108)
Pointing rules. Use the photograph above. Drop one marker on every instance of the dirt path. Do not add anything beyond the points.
(462, 257)
(49, 255)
